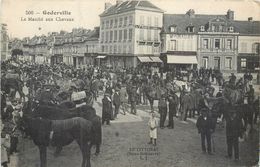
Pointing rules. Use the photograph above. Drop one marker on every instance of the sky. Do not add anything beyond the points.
(85, 13)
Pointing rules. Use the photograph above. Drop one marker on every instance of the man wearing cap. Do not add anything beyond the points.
(116, 101)
(205, 128)
(162, 105)
(234, 130)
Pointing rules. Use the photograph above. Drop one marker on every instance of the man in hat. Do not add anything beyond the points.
(232, 79)
(234, 130)
(106, 108)
(162, 105)
(116, 101)
(205, 128)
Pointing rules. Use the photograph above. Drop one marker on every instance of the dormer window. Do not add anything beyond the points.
(231, 29)
(190, 29)
(202, 28)
(173, 29)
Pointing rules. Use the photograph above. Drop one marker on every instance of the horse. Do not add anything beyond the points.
(154, 93)
(63, 111)
(60, 132)
(15, 84)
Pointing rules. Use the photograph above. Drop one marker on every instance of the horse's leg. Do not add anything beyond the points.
(43, 156)
(88, 152)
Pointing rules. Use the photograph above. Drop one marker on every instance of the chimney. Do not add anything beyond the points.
(191, 13)
(107, 5)
(250, 19)
(118, 2)
(230, 14)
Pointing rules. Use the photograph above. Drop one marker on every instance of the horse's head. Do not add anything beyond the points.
(38, 129)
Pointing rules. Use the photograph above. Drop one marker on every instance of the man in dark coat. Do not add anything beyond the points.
(234, 130)
(106, 109)
(162, 105)
(116, 101)
(205, 128)
(133, 99)
(173, 102)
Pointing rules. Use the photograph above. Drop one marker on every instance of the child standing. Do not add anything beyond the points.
(153, 129)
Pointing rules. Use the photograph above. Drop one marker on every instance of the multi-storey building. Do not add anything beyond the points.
(248, 45)
(213, 38)
(4, 42)
(130, 30)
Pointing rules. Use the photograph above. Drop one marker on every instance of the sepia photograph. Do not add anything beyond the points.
(130, 83)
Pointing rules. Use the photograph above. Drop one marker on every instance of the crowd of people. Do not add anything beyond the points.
(127, 87)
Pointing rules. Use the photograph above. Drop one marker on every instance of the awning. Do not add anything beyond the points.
(181, 59)
(156, 59)
(101, 57)
(145, 59)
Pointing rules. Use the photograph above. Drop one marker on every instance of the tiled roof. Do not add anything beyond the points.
(130, 5)
(247, 27)
(182, 21)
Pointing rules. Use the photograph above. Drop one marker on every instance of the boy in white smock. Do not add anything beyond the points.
(153, 129)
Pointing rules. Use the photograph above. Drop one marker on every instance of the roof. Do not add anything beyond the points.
(247, 27)
(182, 21)
(130, 5)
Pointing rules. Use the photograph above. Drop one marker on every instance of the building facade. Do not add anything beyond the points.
(129, 30)
(213, 38)
(4, 42)
(248, 45)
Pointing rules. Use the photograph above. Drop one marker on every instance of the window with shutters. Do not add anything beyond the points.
(149, 35)
(156, 35)
(120, 22)
(111, 36)
(125, 21)
(116, 22)
(228, 63)
(120, 35)
(217, 44)
(130, 34)
(141, 20)
(115, 35)
(156, 22)
(205, 43)
(229, 44)
(141, 34)
(125, 35)
(149, 20)
(130, 20)
(111, 23)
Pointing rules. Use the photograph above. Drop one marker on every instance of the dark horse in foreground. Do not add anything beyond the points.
(60, 139)
(46, 132)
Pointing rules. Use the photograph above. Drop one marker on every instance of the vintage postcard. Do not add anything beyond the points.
(130, 83)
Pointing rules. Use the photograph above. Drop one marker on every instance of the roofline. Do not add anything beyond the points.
(133, 9)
